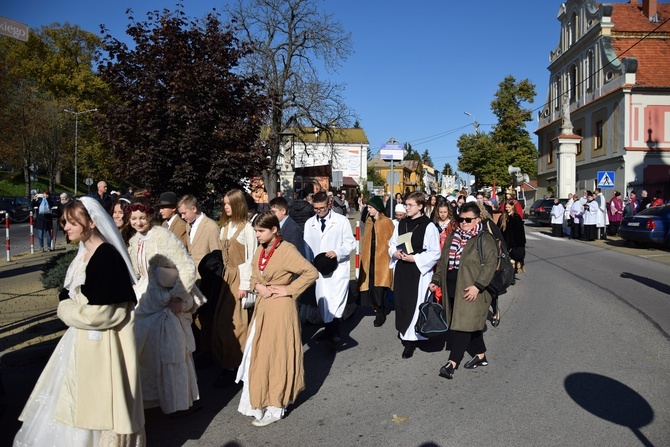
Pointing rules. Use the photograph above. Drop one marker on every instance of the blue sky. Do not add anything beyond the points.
(416, 68)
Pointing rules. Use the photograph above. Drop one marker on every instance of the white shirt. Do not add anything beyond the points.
(194, 227)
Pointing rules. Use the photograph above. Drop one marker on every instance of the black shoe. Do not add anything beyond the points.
(380, 319)
(335, 343)
(408, 352)
(475, 362)
(495, 318)
(447, 371)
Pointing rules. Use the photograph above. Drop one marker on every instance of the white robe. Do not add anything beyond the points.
(557, 214)
(331, 290)
(591, 213)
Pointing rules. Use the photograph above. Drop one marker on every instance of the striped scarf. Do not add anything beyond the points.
(458, 243)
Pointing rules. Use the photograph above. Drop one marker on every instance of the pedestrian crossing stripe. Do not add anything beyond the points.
(605, 179)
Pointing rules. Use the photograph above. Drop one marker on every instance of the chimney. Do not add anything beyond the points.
(649, 8)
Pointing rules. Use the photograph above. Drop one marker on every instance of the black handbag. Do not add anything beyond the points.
(431, 321)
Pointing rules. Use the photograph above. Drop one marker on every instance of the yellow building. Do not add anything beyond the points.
(408, 174)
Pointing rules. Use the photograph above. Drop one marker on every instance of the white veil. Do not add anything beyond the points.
(108, 230)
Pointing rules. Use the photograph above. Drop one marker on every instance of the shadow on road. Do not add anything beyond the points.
(661, 287)
(611, 400)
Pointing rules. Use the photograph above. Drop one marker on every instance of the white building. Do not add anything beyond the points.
(612, 64)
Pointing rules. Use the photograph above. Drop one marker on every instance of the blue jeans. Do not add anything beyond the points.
(40, 236)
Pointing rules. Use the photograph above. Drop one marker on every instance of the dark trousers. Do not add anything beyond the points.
(332, 329)
(576, 230)
(460, 342)
(590, 232)
(557, 230)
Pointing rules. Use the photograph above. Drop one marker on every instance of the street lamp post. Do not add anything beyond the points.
(476, 126)
(76, 134)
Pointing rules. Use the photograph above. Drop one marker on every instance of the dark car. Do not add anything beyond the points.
(651, 226)
(540, 211)
(17, 208)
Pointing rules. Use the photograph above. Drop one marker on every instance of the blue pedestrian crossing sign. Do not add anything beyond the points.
(605, 179)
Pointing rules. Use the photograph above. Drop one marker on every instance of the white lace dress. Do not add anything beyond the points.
(40, 427)
(165, 341)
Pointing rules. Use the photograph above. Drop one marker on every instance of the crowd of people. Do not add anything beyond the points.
(592, 217)
(159, 289)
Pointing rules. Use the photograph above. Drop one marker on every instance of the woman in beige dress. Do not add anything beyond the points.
(272, 366)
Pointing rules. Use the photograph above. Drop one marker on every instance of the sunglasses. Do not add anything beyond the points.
(465, 219)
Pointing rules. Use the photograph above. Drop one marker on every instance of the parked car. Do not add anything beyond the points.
(17, 208)
(650, 226)
(540, 211)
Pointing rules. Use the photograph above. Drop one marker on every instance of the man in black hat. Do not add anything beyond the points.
(167, 207)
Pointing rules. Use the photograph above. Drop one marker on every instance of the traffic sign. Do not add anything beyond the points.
(605, 179)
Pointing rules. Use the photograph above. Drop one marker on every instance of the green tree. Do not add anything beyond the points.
(487, 155)
(183, 118)
(41, 77)
(447, 170)
(375, 177)
(425, 158)
(292, 41)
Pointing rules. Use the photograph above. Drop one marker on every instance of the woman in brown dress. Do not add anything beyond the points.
(272, 366)
(231, 317)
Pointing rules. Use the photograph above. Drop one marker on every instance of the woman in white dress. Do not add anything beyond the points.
(89, 392)
(166, 298)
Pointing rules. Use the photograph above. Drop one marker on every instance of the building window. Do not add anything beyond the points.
(598, 134)
(579, 132)
(573, 31)
(573, 83)
(559, 92)
(590, 69)
(550, 150)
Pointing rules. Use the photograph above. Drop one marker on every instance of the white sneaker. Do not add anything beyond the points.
(267, 419)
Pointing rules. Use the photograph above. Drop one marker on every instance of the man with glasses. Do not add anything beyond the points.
(329, 234)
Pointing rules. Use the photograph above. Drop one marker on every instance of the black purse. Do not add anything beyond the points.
(431, 321)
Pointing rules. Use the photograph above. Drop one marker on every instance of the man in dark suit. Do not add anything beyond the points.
(290, 230)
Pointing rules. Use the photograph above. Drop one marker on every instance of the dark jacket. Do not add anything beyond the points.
(301, 211)
(42, 221)
(292, 233)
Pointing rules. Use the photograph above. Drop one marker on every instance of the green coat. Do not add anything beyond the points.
(468, 316)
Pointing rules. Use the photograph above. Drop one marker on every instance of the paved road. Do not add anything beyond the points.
(581, 358)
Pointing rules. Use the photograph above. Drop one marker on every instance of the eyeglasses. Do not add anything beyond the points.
(465, 219)
(321, 208)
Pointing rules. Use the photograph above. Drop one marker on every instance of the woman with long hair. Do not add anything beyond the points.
(89, 393)
(272, 365)
(512, 229)
(121, 220)
(231, 317)
(166, 300)
(431, 206)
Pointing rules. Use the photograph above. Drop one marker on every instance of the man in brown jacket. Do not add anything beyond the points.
(203, 239)
(167, 207)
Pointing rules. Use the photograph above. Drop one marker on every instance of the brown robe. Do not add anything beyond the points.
(276, 373)
(383, 275)
(231, 320)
